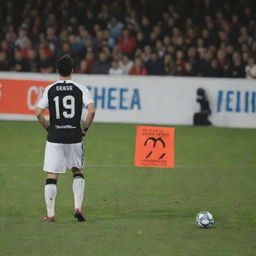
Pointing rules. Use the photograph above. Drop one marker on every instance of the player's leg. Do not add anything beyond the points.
(50, 192)
(54, 164)
(78, 190)
(75, 162)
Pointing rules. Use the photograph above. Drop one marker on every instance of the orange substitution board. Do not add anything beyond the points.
(154, 147)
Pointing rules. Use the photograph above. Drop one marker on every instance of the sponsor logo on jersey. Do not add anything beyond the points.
(65, 127)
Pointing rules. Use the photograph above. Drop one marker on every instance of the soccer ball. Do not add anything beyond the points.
(204, 219)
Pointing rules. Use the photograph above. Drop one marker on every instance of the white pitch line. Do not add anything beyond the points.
(131, 166)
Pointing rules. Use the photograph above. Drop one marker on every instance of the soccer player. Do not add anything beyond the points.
(65, 100)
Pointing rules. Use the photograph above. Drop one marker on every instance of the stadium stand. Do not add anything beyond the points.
(206, 38)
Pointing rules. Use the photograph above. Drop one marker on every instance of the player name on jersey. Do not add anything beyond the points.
(64, 88)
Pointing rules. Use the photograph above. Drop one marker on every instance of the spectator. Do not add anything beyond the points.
(90, 47)
(169, 67)
(221, 57)
(145, 25)
(153, 37)
(5, 47)
(180, 63)
(89, 19)
(206, 37)
(22, 37)
(90, 62)
(204, 67)
(115, 27)
(52, 40)
(141, 41)
(66, 49)
(125, 64)
(238, 70)
(160, 49)
(110, 41)
(138, 68)
(45, 63)
(33, 64)
(18, 64)
(246, 57)
(189, 69)
(4, 65)
(215, 70)
(244, 36)
(98, 40)
(229, 53)
(77, 47)
(250, 69)
(37, 27)
(82, 68)
(193, 58)
(102, 65)
(103, 15)
(27, 45)
(201, 48)
(45, 47)
(146, 53)
(115, 69)
(166, 41)
(154, 65)
(127, 43)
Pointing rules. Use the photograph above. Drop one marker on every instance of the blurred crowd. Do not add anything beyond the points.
(207, 38)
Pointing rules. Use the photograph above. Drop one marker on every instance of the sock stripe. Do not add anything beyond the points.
(78, 175)
(51, 181)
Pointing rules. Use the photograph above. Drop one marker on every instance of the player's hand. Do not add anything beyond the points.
(84, 131)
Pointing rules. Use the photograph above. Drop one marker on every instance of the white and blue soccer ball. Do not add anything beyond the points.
(204, 219)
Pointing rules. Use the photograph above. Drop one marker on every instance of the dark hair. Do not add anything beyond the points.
(65, 65)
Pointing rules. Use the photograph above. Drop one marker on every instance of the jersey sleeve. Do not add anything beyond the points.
(44, 102)
(87, 97)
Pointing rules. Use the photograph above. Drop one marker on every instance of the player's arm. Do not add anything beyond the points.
(41, 118)
(89, 119)
(41, 106)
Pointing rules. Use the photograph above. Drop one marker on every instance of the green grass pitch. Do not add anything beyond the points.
(131, 211)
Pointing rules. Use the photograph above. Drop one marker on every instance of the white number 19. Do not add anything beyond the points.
(68, 103)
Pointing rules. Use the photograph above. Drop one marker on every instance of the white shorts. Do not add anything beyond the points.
(58, 157)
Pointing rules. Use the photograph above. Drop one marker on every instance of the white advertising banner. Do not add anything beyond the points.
(151, 99)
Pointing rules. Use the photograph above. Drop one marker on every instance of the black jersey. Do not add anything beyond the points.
(65, 100)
